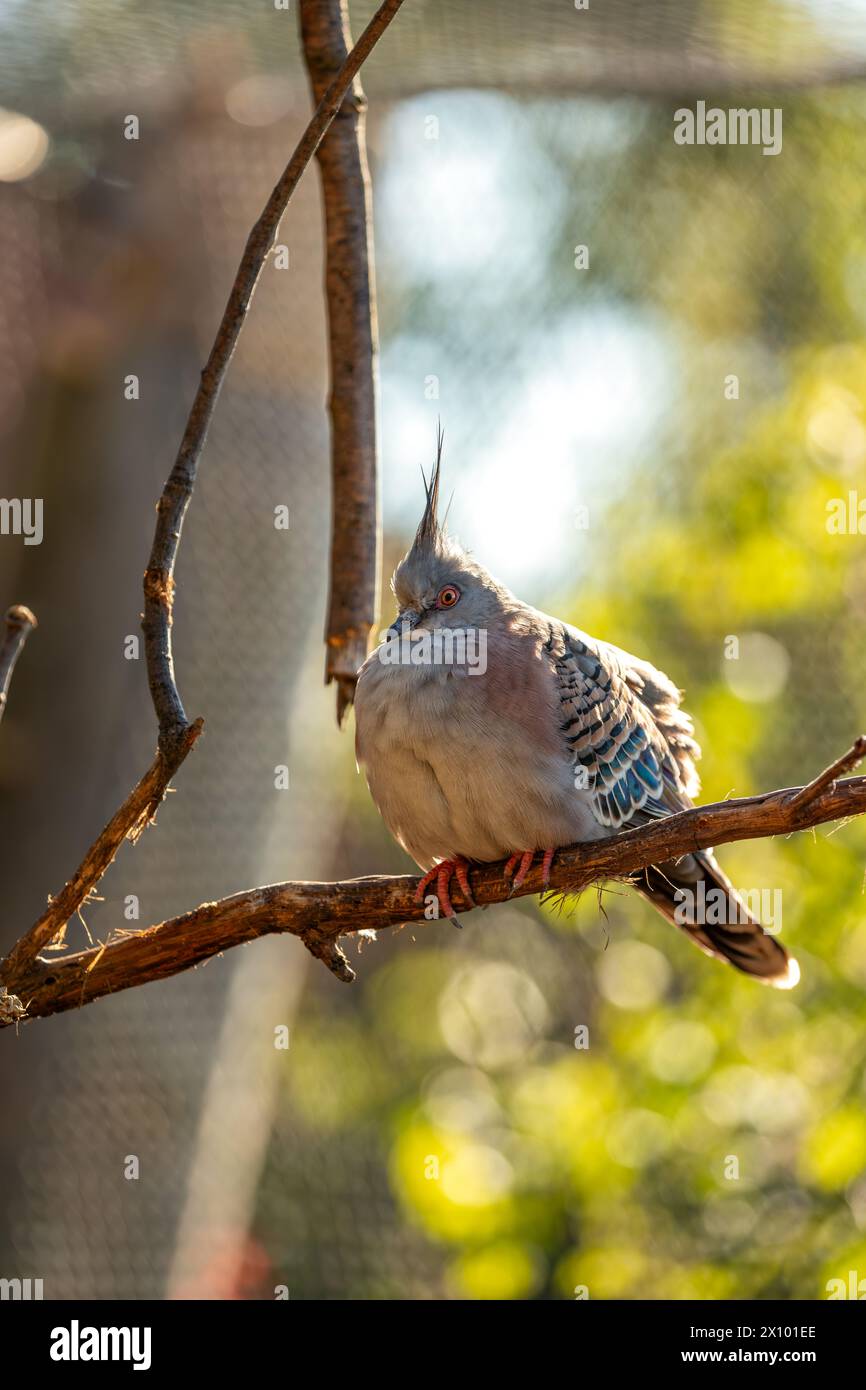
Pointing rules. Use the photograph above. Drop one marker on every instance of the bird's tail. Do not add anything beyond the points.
(696, 896)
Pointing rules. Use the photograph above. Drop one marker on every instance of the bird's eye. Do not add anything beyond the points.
(448, 596)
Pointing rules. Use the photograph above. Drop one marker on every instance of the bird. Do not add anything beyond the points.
(553, 739)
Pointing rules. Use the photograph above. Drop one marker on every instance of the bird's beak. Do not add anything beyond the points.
(404, 622)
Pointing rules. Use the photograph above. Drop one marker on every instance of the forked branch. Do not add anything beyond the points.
(176, 733)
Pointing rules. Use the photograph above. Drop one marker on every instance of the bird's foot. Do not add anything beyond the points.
(443, 873)
(522, 863)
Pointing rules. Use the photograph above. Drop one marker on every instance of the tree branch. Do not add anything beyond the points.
(321, 913)
(353, 352)
(176, 734)
(826, 780)
(127, 823)
(159, 577)
(20, 622)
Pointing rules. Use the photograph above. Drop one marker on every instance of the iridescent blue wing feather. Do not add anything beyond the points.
(632, 744)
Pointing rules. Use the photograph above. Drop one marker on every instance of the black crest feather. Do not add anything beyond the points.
(429, 532)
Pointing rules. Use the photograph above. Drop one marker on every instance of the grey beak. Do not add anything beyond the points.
(404, 622)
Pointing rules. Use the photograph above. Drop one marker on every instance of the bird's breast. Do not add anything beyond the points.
(467, 765)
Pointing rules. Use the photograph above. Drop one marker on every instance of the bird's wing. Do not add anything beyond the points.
(622, 722)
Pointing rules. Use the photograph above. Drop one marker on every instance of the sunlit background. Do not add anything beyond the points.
(551, 1103)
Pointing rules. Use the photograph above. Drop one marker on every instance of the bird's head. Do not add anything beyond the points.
(438, 584)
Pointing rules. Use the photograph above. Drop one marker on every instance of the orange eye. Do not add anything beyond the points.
(448, 596)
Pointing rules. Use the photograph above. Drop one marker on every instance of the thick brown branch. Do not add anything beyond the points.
(322, 913)
(19, 623)
(353, 352)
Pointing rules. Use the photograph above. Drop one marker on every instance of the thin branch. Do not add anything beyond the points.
(322, 913)
(20, 622)
(127, 823)
(176, 734)
(353, 353)
(826, 779)
(171, 510)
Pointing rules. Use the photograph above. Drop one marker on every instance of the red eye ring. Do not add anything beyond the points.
(448, 596)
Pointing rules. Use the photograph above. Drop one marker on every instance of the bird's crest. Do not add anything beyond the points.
(430, 534)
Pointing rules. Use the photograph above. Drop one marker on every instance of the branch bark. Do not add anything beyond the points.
(826, 780)
(176, 733)
(20, 622)
(322, 913)
(159, 577)
(353, 353)
(127, 823)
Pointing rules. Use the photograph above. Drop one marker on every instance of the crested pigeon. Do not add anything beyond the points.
(553, 738)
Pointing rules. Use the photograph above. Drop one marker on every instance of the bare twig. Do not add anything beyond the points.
(159, 577)
(176, 734)
(322, 913)
(20, 622)
(826, 780)
(353, 353)
(127, 823)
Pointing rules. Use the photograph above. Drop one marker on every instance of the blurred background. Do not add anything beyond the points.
(436, 1130)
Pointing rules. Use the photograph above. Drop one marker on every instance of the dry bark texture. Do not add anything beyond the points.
(353, 352)
(321, 913)
(176, 733)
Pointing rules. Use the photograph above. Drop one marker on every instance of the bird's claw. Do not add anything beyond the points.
(522, 863)
(443, 873)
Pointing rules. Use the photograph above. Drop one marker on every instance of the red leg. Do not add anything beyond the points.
(524, 859)
(545, 868)
(461, 870)
(516, 868)
(443, 873)
(525, 865)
